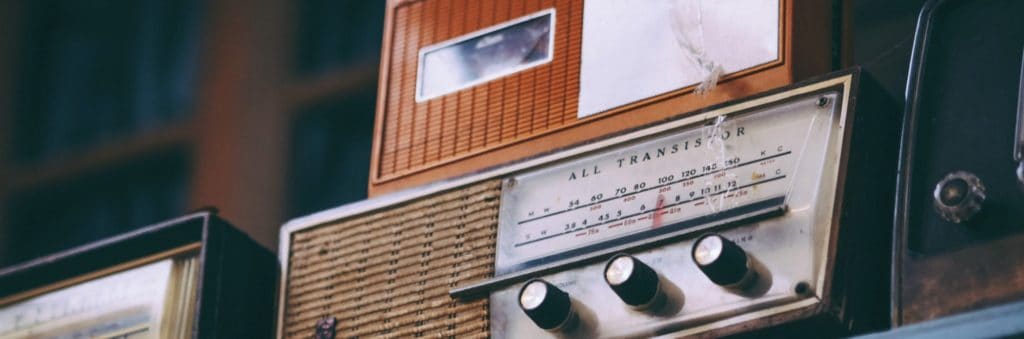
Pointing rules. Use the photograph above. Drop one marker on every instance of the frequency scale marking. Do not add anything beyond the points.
(694, 174)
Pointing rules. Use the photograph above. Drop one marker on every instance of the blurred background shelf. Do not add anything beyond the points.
(99, 157)
(118, 113)
(338, 82)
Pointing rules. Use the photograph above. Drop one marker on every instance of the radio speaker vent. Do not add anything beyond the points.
(387, 273)
(419, 135)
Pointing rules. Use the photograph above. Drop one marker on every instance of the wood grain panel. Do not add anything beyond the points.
(975, 277)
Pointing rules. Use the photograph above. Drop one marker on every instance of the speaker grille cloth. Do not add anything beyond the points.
(419, 135)
(387, 273)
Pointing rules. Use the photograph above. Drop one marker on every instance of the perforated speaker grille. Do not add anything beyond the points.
(387, 273)
(417, 135)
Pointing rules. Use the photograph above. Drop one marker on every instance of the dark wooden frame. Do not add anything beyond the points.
(934, 285)
(855, 302)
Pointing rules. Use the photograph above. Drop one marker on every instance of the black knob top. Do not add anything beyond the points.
(636, 283)
(959, 196)
(548, 306)
(724, 262)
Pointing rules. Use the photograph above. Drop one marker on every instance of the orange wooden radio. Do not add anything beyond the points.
(467, 85)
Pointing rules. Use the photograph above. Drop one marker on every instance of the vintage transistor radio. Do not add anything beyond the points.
(960, 204)
(766, 211)
(191, 277)
(467, 85)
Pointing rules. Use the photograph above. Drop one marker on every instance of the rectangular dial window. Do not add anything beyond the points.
(485, 55)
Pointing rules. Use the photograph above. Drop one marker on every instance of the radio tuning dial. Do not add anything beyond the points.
(959, 196)
(548, 306)
(723, 262)
(633, 281)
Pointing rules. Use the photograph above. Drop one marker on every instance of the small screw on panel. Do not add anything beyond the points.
(823, 101)
(325, 328)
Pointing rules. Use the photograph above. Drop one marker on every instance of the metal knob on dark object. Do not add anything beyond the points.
(633, 281)
(548, 306)
(959, 196)
(722, 261)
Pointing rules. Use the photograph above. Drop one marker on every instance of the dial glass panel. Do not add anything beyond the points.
(485, 55)
(730, 166)
(155, 300)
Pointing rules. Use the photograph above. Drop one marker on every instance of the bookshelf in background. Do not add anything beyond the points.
(337, 35)
(330, 153)
(120, 113)
(10, 41)
(332, 99)
(99, 120)
(94, 72)
(97, 204)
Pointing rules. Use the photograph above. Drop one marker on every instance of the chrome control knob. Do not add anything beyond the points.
(959, 196)
(633, 281)
(724, 262)
(548, 306)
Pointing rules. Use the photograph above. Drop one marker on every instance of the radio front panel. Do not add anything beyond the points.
(741, 167)
(153, 300)
(470, 85)
(738, 164)
(722, 221)
(195, 276)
